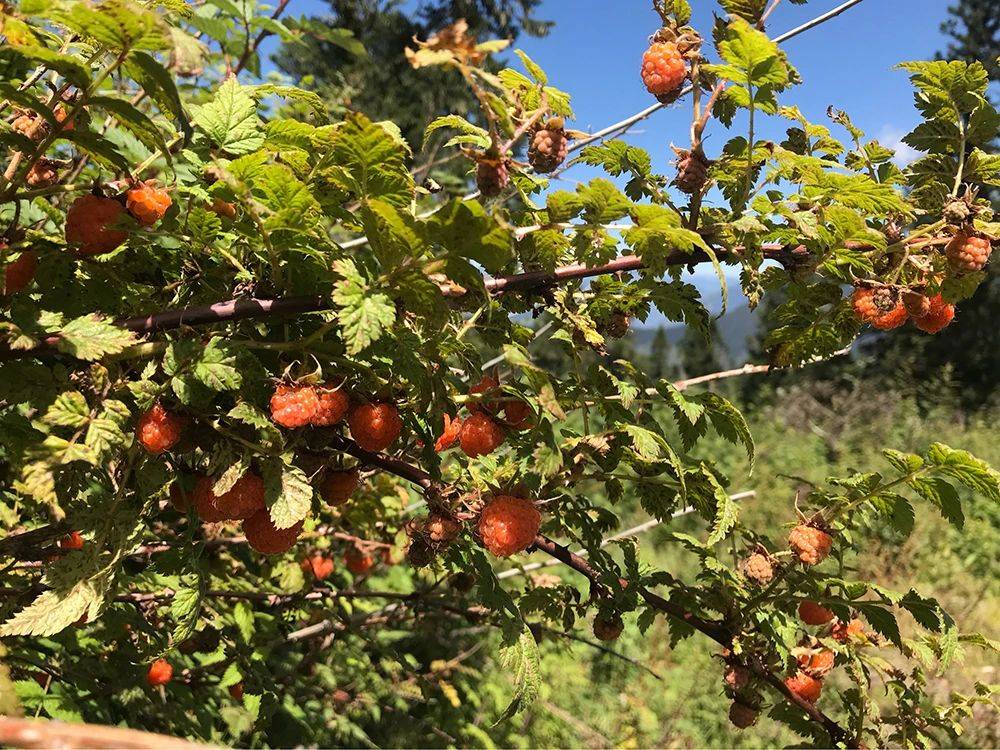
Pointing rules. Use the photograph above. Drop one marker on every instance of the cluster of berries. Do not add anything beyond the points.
(809, 542)
(91, 220)
(740, 687)
(356, 560)
(374, 426)
(484, 430)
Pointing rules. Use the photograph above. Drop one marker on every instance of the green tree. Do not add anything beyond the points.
(700, 356)
(660, 355)
(974, 30)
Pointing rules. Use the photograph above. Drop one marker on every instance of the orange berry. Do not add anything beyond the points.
(845, 632)
(916, 304)
(223, 208)
(759, 568)
(19, 273)
(937, 318)
(332, 407)
(810, 545)
(968, 254)
(294, 405)
(817, 663)
(320, 567)
(88, 221)
(147, 203)
(878, 307)
(73, 540)
(480, 435)
(158, 430)
(263, 536)
(813, 614)
(338, 486)
(358, 562)
(160, 673)
(43, 174)
(803, 686)
(509, 525)
(452, 429)
(375, 426)
(663, 69)
(244, 499)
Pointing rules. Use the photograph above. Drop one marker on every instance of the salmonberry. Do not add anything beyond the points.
(845, 632)
(263, 536)
(663, 70)
(810, 545)
(692, 171)
(759, 568)
(159, 430)
(243, 500)
(294, 405)
(742, 715)
(549, 146)
(320, 567)
(19, 273)
(160, 672)
(509, 525)
(804, 687)
(880, 308)
(147, 203)
(340, 698)
(968, 254)
(338, 486)
(223, 208)
(736, 676)
(441, 529)
(937, 318)
(88, 223)
(358, 562)
(483, 395)
(813, 614)
(608, 627)
(817, 663)
(518, 415)
(449, 436)
(375, 426)
(332, 407)
(73, 540)
(42, 174)
(236, 691)
(916, 304)
(492, 176)
(480, 435)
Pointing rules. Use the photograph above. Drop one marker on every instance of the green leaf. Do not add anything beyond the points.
(287, 492)
(371, 161)
(231, 120)
(184, 609)
(135, 121)
(66, 65)
(159, 83)
(118, 25)
(216, 368)
(91, 337)
(519, 658)
(100, 149)
(730, 423)
(70, 409)
(727, 512)
(363, 315)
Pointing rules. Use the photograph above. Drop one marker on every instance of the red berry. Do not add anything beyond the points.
(518, 415)
(480, 435)
(758, 568)
(375, 426)
(608, 627)
(341, 698)
(452, 429)
(487, 388)
(845, 632)
(358, 562)
(938, 317)
(879, 308)
(803, 686)
(71, 541)
(320, 567)
(817, 663)
(813, 614)
(509, 525)
(147, 203)
(268, 539)
(294, 405)
(663, 69)
(244, 499)
(88, 221)
(810, 545)
(332, 407)
(159, 430)
(338, 486)
(742, 715)
(236, 691)
(19, 273)
(160, 672)
(968, 254)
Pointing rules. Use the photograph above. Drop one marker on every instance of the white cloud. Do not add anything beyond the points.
(892, 137)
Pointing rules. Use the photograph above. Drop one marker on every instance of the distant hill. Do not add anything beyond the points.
(735, 327)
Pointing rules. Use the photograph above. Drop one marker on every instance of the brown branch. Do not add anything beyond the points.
(38, 733)
(252, 47)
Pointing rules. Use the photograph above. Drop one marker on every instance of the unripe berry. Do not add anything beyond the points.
(358, 562)
(160, 673)
(223, 208)
(509, 525)
(968, 254)
(244, 499)
(608, 627)
(813, 614)
(268, 539)
(492, 176)
(692, 171)
(236, 691)
(480, 435)
(158, 430)
(759, 568)
(736, 676)
(742, 715)
(803, 686)
(810, 545)
(937, 318)
(663, 70)
(916, 304)
(375, 426)
(338, 486)
(441, 529)
(294, 406)
(147, 203)
(88, 221)
(18, 274)
(549, 147)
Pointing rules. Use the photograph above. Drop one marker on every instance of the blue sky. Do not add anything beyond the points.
(595, 47)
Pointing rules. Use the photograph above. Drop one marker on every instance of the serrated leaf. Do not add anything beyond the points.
(184, 609)
(287, 492)
(519, 659)
(231, 120)
(91, 337)
(216, 368)
(70, 409)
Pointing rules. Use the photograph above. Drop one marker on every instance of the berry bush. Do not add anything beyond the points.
(275, 439)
